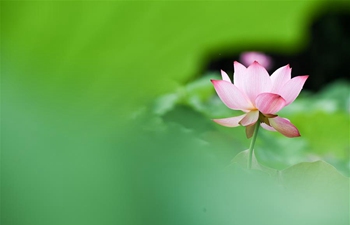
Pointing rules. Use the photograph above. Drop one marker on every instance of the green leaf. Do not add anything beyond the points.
(315, 177)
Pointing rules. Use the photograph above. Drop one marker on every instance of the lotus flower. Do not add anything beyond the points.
(259, 96)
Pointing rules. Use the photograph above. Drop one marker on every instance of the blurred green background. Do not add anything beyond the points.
(106, 108)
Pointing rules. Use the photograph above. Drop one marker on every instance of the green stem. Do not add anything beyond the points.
(252, 143)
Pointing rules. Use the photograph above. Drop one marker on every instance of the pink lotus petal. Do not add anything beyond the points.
(256, 81)
(292, 88)
(249, 57)
(250, 118)
(267, 127)
(225, 76)
(269, 103)
(280, 77)
(230, 122)
(239, 75)
(231, 96)
(285, 127)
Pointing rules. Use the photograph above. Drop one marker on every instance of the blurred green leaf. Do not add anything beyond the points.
(311, 177)
(305, 177)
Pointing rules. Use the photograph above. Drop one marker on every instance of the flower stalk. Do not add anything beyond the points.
(252, 143)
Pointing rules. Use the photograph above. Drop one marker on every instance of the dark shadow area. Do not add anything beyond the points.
(326, 57)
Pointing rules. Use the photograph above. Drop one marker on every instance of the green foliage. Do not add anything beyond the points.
(315, 187)
(307, 177)
(80, 143)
